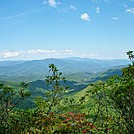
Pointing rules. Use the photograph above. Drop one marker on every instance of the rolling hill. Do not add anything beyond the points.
(73, 68)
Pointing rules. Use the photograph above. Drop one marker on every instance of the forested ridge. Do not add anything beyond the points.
(104, 107)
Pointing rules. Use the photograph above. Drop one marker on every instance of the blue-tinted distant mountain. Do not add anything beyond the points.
(10, 63)
(103, 62)
(37, 69)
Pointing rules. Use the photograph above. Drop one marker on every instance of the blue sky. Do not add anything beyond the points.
(38, 29)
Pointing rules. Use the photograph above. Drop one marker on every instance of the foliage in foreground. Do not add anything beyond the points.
(115, 101)
(105, 108)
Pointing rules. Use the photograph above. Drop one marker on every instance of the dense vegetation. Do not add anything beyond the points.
(104, 107)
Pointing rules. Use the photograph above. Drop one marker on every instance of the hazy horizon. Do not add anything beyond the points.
(69, 58)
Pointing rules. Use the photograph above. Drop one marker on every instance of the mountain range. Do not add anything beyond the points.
(71, 67)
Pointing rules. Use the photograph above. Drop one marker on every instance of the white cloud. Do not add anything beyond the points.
(130, 10)
(87, 55)
(97, 10)
(34, 53)
(41, 54)
(52, 3)
(115, 18)
(73, 7)
(10, 54)
(45, 51)
(85, 17)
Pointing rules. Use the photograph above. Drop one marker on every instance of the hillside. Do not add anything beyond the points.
(76, 88)
(71, 67)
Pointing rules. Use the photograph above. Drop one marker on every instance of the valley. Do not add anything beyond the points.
(79, 73)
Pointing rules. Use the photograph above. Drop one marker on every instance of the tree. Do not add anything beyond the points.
(115, 100)
(53, 96)
(9, 99)
(123, 94)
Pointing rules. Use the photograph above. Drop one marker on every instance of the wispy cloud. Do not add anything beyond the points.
(10, 54)
(10, 23)
(15, 19)
(73, 7)
(85, 55)
(45, 51)
(33, 52)
(42, 53)
(85, 17)
(115, 18)
(52, 3)
(97, 10)
(130, 10)
(19, 15)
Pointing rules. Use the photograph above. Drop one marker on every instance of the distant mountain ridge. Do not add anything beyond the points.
(37, 69)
